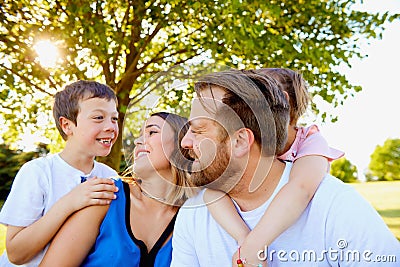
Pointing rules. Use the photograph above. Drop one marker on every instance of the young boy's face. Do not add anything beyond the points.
(97, 127)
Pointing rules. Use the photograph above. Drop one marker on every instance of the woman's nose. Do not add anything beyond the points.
(138, 141)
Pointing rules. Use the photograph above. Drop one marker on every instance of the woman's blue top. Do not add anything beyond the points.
(117, 246)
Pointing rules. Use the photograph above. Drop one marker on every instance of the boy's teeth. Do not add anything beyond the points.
(105, 141)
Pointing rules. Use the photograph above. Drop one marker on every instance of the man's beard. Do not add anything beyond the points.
(222, 174)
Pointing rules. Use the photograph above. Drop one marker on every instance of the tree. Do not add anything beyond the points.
(344, 170)
(385, 161)
(124, 43)
(10, 162)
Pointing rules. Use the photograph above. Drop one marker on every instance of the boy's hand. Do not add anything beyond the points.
(94, 191)
(249, 256)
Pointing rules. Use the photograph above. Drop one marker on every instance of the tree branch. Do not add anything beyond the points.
(146, 42)
(106, 69)
(25, 79)
(157, 59)
(119, 48)
(143, 93)
(61, 7)
(131, 70)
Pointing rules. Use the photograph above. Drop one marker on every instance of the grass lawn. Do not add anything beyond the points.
(383, 196)
(2, 234)
(2, 238)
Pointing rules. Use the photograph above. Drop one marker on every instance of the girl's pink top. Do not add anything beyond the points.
(309, 141)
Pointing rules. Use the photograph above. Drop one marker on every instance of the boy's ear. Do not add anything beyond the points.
(243, 139)
(65, 125)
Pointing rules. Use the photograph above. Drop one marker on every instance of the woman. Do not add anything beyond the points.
(136, 229)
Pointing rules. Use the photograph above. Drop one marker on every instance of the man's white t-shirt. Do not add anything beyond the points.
(37, 186)
(337, 225)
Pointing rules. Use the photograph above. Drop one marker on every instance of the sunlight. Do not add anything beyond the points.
(47, 53)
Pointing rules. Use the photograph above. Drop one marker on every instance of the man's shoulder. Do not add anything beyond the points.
(333, 192)
(195, 202)
(334, 182)
(194, 207)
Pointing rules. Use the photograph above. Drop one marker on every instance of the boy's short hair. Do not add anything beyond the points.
(66, 102)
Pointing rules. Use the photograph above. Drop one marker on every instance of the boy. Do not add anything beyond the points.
(47, 190)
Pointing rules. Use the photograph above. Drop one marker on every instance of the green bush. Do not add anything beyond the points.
(344, 170)
(385, 162)
(10, 162)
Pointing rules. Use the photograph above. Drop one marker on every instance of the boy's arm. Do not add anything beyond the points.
(24, 243)
(76, 237)
(288, 205)
(224, 212)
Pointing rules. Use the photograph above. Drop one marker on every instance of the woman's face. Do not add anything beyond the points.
(153, 148)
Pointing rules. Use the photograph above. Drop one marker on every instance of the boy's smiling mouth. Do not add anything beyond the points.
(105, 141)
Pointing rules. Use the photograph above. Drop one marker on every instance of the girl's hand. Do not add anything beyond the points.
(249, 257)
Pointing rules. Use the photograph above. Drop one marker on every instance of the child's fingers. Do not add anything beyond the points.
(103, 184)
(103, 195)
(97, 201)
(104, 188)
(101, 198)
(96, 180)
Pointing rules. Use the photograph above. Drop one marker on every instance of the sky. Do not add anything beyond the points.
(372, 115)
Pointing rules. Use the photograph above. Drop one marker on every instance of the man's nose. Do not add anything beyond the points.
(187, 140)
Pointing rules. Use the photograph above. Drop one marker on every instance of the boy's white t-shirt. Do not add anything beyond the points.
(37, 186)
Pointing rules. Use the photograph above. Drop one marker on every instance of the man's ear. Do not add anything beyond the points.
(66, 125)
(243, 139)
(286, 95)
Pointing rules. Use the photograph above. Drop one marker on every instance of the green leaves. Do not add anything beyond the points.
(10, 162)
(344, 170)
(124, 43)
(385, 161)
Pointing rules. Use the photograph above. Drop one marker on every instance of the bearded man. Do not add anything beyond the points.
(238, 124)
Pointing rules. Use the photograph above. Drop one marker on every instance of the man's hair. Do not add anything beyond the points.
(293, 83)
(66, 102)
(258, 103)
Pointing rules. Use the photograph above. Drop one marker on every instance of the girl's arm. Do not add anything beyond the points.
(225, 213)
(76, 237)
(288, 205)
(24, 243)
